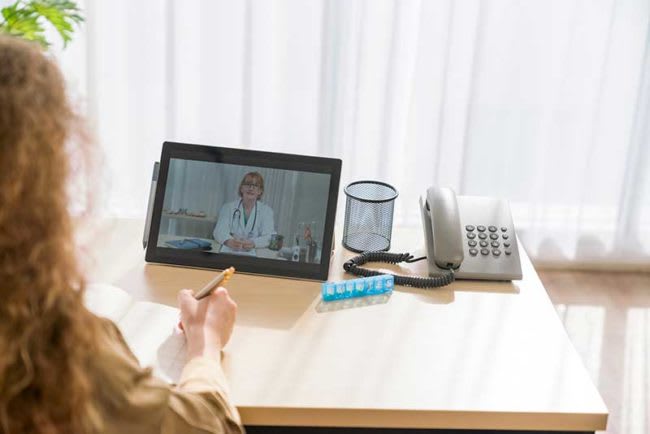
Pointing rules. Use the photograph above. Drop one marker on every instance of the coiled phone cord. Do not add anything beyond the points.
(354, 266)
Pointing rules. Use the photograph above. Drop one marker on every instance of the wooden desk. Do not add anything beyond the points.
(475, 355)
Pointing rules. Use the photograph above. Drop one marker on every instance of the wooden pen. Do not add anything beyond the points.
(221, 278)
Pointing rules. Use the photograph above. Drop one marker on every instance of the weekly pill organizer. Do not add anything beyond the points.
(362, 287)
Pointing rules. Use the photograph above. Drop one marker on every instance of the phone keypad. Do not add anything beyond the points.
(497, 235)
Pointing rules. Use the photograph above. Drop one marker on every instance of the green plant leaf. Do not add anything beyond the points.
(25, 18)
(9, 11)
(23, 22)
(62, 14)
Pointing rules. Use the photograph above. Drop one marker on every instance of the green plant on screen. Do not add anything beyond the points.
(28, 19)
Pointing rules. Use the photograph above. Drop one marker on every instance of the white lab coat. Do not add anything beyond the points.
(258, 228)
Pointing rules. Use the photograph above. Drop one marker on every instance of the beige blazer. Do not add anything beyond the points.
(132, 400)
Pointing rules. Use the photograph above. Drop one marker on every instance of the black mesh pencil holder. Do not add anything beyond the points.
(368, 216)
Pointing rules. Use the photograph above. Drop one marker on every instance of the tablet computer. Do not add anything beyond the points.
(261, 212)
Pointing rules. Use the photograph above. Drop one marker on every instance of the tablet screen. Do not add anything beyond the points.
(261, 212)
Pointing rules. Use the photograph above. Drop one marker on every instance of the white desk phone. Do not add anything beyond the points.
(466, 237)
(472, 235)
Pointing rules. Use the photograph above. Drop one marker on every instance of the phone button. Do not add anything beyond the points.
(504, 229)
(473, 252)
(482, 236)
(469, 228)
(508, 252)
(483, 243)
(495, 244)
(485, 252)
(506, 244)
(505, 236)
(471, 243)
(496, 252)
(496, 237)
(471, 235)
(480, 228)
(492, 228)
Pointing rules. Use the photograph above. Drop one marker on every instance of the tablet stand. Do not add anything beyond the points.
(152, 195)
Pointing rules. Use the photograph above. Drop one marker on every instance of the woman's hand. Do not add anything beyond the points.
(247, 244)
(207, 323)
(233, 244)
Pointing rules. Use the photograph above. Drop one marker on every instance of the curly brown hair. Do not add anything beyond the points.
(47, 337)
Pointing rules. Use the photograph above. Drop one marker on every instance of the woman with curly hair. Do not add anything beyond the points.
(62, 369)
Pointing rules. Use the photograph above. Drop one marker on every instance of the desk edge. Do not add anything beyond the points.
(391, 418)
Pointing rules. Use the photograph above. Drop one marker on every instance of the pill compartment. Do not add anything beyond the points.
(362, 287)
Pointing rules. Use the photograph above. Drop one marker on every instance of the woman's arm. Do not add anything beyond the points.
(208, 325)
(134, 399)
(202, 387)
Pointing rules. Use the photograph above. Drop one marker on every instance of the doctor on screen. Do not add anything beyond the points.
(247, 223)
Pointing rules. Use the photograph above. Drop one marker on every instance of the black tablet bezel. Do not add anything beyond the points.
(273, 267)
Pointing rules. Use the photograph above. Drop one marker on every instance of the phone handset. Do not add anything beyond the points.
(447, 240)
(441, 222)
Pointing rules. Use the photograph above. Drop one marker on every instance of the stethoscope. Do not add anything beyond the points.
(236, 214)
